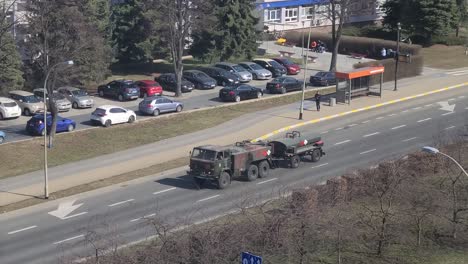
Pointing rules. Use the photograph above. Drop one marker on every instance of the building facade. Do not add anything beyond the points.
(279, 15)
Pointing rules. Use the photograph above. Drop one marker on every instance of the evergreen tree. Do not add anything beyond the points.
(11, 75)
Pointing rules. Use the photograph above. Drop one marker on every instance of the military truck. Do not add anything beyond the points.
(220, 164)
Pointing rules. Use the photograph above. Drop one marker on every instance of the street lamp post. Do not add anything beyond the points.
(46, 180)
(301, 111)
(433, 150)
(302, 51)
(397, 56)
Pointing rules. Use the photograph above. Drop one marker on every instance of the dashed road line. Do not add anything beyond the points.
(409, 139)
(428, 105)
(461, 96)
(150, 215)
(424, 120)
(208, 198)
(405, 111)
(270, 180)
(380, 117)
(136, 219)
(352, 125)
(166, 190)
(122, 202)
(68, 239)
(417, 108)
(324, 132)
(449, 113)
(340, 128)
(367, 151)
(451, 99)
(392, 115)
(21, 230)
(450, 127)
(367, 121)
(342, 142)
(318, 166)
(370, 135)
(397, 127)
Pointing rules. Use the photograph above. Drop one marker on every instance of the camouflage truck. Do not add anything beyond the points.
(221, 164)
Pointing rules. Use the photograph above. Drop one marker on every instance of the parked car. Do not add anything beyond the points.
(274, 67)
(157, 105)
(284, 84)
(28, 103)
(239, 92)
(35, 125)
(120, 89)
(2, 137)
(258, 73)
(222, 76)
(63, 105)
(108, 115)
(78, 97)
(323, 78)
(291, 67)
(9, 108)
(241, 72)
(168, 83)
(200, 79)
(149, 88)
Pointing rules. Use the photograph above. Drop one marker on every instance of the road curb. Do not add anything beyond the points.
(313, 121)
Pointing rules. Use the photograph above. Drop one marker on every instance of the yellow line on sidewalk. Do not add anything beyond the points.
(300, 124)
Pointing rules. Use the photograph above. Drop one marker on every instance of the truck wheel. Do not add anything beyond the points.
(252, 172)
(295, 162)
(316, 154)
(224, 180)
(263, 169)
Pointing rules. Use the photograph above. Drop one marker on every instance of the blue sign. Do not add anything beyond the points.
(248, 258)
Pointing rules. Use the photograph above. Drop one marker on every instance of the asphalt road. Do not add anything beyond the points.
(121, 214)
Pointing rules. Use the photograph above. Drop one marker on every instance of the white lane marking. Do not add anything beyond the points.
(461, 96)
(324, 132)
(166, 190)
(352, 125)
(367, 151)
(122, 202)
(466, 108)
(380, 117)
(373, 134)
(409, 139)
(417, 108)
(451, 99)
(450, 127)
(136, 219)
(150, 215)
(270, 180)
(139, 218)
(208, 198)
(405, 111)
(340, 128)
(318, 166)
(449, 113)
(428, 105)
(397, 127)
(75, 215)
(68, 239)
(367, 121)
(21, 230)
(424, 120)
(391, 115)
(342, 142)
(460, 74)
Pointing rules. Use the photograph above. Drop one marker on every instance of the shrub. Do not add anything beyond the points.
(449, 40)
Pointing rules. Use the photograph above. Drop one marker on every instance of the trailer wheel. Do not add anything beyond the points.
(295, 162)
(263, 169)
(252, 172)
(224, 180)
(316, 155)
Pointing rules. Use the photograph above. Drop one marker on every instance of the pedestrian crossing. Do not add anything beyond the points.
(458, 72)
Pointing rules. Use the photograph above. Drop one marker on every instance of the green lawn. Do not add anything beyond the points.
(445, 57)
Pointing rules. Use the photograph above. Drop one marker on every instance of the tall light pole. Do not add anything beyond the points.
(433, 150)
(397, 56)
(302, 52)
(301, 111)
(46, 180)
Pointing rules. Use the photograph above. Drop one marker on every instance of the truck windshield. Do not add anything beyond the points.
(204, 154)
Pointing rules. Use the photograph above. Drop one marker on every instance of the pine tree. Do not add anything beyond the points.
(11, 75)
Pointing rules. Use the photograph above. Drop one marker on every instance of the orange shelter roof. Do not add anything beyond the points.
(362, 72)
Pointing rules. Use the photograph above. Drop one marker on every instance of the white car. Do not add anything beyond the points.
(108, 115)
(9, 108)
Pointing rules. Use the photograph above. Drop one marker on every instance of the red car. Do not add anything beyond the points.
(149, 88)
(291, 67)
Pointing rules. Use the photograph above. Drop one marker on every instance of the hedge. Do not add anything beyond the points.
(369, 46)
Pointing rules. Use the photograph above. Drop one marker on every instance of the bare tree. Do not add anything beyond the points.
(7, 21)
(337, 13)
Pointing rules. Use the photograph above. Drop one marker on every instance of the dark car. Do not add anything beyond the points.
(284, 84)
(120, 89)
(35, 125)
(149, 88)
(222, 76)
(239, 92)
(274, 67)
(291, 67)
(323, 78)
(168, 83)
(200, 79)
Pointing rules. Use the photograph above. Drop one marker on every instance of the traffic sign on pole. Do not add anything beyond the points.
(248, 258)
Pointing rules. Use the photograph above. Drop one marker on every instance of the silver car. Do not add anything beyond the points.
(79, 98)
(244, 75)
(29, 103)
(61, 102)
(258, 72)
(157, 104)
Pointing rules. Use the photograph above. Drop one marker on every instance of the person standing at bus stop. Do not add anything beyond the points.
(317, 100)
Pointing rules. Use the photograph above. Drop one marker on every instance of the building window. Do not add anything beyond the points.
(291, 15)
(273, 15)
(307, 12)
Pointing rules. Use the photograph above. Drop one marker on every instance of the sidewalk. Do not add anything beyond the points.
(247, 127)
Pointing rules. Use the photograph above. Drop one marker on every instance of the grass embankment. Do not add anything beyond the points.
(445, 57)
(23, 157)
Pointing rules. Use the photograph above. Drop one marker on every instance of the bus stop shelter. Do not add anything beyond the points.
(361, 81)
